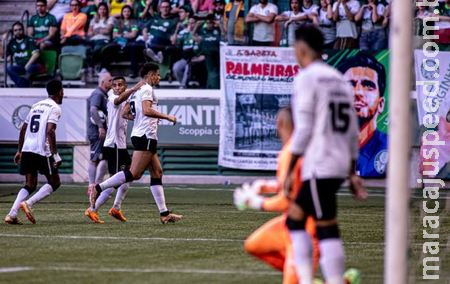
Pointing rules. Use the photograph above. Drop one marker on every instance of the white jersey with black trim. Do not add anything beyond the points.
(116, 134)
(40, 114)
(144, 125)
(326, 127)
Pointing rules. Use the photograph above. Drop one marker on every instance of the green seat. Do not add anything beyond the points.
(71, 66)
(48, 59)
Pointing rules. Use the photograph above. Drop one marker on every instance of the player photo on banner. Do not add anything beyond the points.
(258, 82)
(433, 100)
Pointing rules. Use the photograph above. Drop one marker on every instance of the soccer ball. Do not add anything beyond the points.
(102, 116)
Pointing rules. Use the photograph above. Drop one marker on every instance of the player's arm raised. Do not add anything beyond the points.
(149, 111)
(126, 112)
(125, 95)
(51, 138)
(18, 155)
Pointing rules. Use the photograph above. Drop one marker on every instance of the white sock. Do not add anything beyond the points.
(332, 260)
(104, 196)
(302, 250)
(92, 169)
(102, 168)
(114, 181)
(21, 196)
(158, 195)
(120, 195)
(43, 192)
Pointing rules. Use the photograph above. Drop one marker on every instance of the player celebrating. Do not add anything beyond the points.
(115, 147)
(37, 152)
(271, 241)
(326, 136)
(142, 109)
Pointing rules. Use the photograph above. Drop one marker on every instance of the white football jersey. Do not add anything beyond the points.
(40, 114)
(326, 128)
(116, 134)
(144, 125)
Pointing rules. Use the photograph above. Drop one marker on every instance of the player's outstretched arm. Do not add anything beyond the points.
(51, 138)
(128, 92)
(149, 111)
(18, 155)
(126, 112)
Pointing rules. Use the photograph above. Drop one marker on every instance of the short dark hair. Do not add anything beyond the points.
(311, 35)
(147, 68)
(42, 1)
(119, 78)
(362, 59)
(18, 24)
(54, 87)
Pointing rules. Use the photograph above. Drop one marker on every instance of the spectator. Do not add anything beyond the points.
(310, 11)
(184, 15)
(116, 7)
(176, 5)
(443, 12)
(141, 8)
(125, 31)
(24, 53)
(58, 8)
(419, 15)
(344, 12)
(99, 32)
(219, 7)
(326, 23)
(373, 35)
(262, 15)
(72, 26)
(189, 49)
(233, 22)
(202, 7)
(91, 9)
(159, 32)
(42, 27)
(209, 38)
(293, 19)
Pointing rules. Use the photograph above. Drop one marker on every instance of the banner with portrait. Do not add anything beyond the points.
(258, 82)
(433, 106)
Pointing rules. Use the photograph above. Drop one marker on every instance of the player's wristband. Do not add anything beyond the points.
(57, 158)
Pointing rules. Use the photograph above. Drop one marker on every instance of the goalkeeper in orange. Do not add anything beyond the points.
(271, 242)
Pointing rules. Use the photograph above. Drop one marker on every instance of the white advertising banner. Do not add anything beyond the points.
(257, 82)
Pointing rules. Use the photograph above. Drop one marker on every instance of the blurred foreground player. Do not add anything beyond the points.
(37, 152)
(326, 137)
(115, 148)
(271, 242)
(142, 108)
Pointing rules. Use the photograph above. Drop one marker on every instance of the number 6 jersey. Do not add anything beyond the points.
(40, 114)
(326, 128)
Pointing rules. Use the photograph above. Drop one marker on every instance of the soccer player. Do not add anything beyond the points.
(326, 137)
(37, 152)
(97, 106)
(142, 109)
(271, 241)
(115, 148)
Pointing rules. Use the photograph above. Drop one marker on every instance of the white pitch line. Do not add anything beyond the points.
(137, 270)
(15, 269)
(118, 238)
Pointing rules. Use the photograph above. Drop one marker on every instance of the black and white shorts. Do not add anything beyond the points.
(144, 144)
(32, 163)
(118, 159)
(317, 198)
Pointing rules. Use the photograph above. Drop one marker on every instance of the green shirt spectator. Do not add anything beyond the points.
(161, 29)
(43, 26)
(22, 50)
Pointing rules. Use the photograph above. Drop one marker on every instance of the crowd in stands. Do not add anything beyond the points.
(185, 35)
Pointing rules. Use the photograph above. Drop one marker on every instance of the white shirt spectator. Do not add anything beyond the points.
(101, 24)
(345, 27)
(367, 24)
(292, 26)
(264, 32)
(313, 9)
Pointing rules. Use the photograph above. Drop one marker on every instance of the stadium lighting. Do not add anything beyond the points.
(398, 191)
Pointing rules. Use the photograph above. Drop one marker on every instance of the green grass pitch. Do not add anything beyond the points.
(206, 247)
